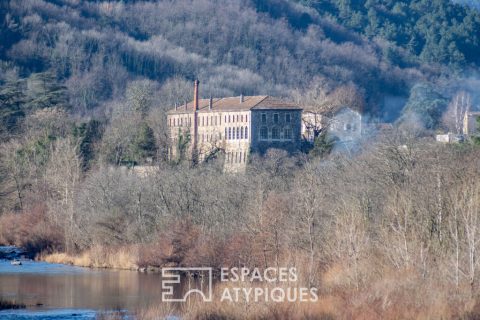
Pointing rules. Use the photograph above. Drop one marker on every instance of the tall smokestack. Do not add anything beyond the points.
(195, 95)
(195, 123)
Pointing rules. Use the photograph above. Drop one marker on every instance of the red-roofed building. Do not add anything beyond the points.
(234, 125)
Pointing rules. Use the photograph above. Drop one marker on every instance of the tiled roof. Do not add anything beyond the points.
(235, 104)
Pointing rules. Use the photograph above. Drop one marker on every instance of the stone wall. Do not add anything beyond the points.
(272, 129)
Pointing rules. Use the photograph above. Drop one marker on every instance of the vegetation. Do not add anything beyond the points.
(95, 48)
(322, 145)
(4, 304)
(438, 31)
(396, 222)
(476, 138)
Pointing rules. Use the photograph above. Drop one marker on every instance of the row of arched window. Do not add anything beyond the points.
(236, 133)
(236, 157)
(180, 122)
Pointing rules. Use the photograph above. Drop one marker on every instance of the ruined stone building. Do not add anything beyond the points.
(235, 126)
(471, 124)
(343, 123)
(346, 124)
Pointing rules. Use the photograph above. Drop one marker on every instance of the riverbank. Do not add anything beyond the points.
(381, 298)
(6, 305)
(123, 258)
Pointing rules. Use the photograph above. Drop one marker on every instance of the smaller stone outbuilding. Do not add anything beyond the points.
(471, 123)
(342, 123)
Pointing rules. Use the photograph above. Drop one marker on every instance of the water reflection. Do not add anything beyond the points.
(58, 286)
(64, 314)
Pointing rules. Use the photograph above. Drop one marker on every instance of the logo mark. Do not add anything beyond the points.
(171, 280)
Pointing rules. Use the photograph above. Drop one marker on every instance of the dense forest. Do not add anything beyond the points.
(393, 227)
(252, 47)
(432, 31)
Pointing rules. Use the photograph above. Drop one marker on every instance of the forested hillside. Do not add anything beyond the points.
(381, 48)
(435, 31)
(471, 3)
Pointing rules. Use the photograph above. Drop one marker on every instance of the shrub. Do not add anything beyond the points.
(31, 230)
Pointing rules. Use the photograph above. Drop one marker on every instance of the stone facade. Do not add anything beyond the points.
(280, 129)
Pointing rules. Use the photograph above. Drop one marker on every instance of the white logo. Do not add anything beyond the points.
(172, 277)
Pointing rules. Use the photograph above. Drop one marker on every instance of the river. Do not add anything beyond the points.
(54, 291)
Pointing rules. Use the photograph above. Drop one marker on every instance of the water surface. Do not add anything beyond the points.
(55, 291)
(59, 286)
(55, 314)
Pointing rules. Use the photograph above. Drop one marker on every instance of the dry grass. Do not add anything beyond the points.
(395, 294)
(197, 309)
(392, 295)
(99, 257)
(160, 311)
(259, 311)
(112, 315)
(249, 309)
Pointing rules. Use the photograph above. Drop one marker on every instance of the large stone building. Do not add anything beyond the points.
(237, 126)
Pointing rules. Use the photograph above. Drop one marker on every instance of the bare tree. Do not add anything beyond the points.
(453, 117)
(63, 174)
(16, 176)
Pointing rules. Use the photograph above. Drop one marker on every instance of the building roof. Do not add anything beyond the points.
(235, 104)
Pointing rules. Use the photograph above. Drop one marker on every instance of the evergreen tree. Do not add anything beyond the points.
(476, 137)
(88, 133)
(427, 103)
(11, 101)
(438, 31)
(144, 144)
(322, 145)
(44, 91)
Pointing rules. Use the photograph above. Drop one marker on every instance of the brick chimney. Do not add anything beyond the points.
(195, 95)
(195, 123)
(210, 103)
(241, 98)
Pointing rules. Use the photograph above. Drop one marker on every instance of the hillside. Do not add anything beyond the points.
(471, 3)
(237, 46)
(436, 31)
